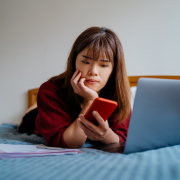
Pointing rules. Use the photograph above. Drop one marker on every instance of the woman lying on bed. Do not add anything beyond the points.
(95, 68)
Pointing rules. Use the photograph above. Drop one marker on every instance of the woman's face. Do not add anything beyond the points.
(97, 72)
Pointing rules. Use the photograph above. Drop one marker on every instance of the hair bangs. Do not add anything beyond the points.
(100, 47)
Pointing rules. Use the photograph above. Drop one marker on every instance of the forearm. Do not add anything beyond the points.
(110, 137)
(74, 136)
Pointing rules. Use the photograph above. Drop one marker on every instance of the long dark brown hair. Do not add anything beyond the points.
(100, 40)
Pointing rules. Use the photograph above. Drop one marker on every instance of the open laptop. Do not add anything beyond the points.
(155, 120)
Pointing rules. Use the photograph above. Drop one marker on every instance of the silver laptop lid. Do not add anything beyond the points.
(155, 120)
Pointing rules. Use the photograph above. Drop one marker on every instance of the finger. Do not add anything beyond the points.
(89, 125)
(81, 83)
(99, 119)
(91, 135)
(82, 126)
(76, 79)
(75, 73)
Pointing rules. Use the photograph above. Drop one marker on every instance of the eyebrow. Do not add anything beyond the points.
(104, 60)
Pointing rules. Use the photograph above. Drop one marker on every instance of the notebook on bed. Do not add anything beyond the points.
(155, 120)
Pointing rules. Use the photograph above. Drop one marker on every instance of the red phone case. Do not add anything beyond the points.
(103, 106)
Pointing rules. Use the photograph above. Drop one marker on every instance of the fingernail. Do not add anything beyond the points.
(94, 112)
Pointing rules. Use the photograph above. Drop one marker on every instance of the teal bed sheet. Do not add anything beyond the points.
(92, 164)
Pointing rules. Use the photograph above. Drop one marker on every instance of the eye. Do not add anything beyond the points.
(85, 62)
(104, 65)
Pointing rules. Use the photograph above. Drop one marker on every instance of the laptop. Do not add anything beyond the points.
(155, 120)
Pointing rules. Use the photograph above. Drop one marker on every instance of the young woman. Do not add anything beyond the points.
(95, 68)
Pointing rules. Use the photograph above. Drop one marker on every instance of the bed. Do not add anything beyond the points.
(93, 163)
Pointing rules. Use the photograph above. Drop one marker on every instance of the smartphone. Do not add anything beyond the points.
(103, 106)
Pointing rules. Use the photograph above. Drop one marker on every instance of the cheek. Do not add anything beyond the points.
(78, 65)
(106, 75)
(105, 78)
(80, 68)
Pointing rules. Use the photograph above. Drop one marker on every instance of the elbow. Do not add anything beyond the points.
(74, 146)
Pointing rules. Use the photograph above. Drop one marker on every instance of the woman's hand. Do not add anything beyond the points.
(79, 88)
(102, 132)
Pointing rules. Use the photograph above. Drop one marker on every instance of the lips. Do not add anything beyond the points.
(91, 81)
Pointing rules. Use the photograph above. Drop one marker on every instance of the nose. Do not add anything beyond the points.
(93, 70)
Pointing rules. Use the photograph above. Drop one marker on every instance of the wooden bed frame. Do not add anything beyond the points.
(32, 94)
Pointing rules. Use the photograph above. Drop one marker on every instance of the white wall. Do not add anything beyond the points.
(36, 37)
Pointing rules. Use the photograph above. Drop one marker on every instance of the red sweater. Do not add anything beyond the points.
(54, 115)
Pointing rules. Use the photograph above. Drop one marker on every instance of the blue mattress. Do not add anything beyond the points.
(92, 164)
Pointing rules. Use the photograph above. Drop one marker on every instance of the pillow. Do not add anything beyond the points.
(133, 93)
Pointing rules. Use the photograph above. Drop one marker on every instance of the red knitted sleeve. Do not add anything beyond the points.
(121, 129)
(52, 117)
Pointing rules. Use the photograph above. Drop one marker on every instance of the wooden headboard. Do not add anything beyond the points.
(32, 94)
(134, 79)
